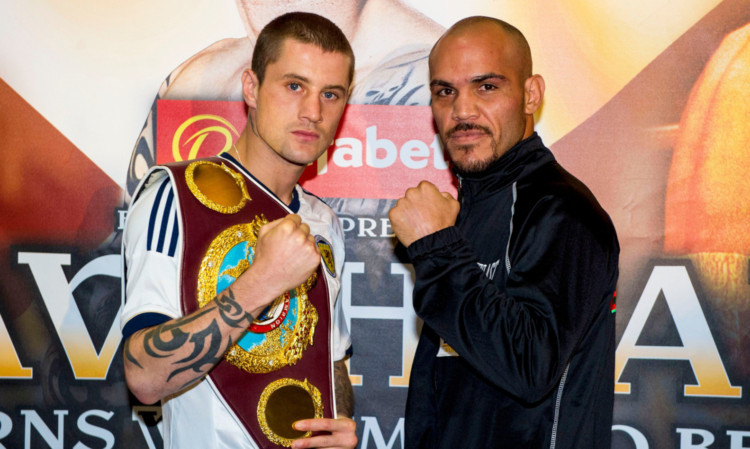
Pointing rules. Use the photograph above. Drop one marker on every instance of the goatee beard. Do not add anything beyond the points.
(475, 166)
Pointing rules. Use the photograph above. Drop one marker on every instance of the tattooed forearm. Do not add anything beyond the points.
(231, 312)
(166, 358)
(194, 347)
(344, 392)
(154, 342)
(207, 351)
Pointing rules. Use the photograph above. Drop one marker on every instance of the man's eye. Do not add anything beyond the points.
(444, 92)
(294, 86)
(487, 87)
(330, 95)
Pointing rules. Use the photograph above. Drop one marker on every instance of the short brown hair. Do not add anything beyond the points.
(304, 27)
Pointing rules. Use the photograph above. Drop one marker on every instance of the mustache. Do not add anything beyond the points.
(467, 127)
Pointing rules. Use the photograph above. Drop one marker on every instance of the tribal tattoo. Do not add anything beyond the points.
(231, 312)
(208, 344)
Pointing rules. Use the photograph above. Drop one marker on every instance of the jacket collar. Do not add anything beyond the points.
(524, 157)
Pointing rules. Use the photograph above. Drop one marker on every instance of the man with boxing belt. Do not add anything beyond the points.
(230, 319)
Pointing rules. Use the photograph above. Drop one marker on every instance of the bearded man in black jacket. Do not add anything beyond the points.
(516, 280)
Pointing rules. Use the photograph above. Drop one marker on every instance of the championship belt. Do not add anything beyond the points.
(280, 370)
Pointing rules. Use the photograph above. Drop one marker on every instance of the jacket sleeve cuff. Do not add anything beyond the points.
(442, 241)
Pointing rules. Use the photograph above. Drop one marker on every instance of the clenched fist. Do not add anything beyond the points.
(285, 256)
(422, 211)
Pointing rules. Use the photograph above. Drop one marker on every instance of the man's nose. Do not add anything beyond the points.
(311, 108)
(464, 107)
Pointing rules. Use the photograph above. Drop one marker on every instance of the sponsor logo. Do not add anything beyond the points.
(378, 151)
(489, 269)
(189, 130)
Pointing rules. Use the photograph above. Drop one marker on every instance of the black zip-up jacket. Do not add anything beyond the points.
(522, 288)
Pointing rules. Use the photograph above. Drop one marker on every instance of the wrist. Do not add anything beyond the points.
(252, 293)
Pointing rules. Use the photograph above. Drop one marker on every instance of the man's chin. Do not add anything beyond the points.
(303, 157)
(464, 171)
(466, 168)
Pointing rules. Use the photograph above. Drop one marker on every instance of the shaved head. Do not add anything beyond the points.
(484, 94)
(482, 24)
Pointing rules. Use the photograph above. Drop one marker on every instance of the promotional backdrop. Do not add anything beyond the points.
(647, 102)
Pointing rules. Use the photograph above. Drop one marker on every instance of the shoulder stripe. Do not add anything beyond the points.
(163, 230)
(154, 213)
(165, 221)
(175, 235)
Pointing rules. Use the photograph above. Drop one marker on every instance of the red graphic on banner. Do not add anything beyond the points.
(51, 194)
(188, 130)
(379, 151)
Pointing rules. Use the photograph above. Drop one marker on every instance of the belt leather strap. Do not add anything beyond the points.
(242, 390)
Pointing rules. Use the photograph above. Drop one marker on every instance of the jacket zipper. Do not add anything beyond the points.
(560, 388)
(510, 233)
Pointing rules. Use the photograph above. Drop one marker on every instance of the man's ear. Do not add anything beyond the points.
(533, 93)
(250, 88)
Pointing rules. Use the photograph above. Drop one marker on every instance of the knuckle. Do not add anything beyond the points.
(282, 228)
(349, 440)
(290, 224)
(328, 424)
